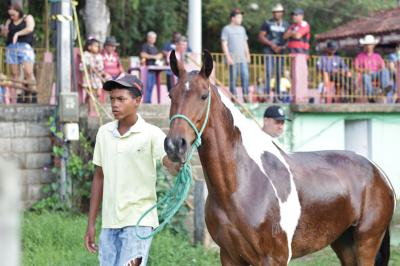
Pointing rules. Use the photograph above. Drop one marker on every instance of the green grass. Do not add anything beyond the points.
(57, 239)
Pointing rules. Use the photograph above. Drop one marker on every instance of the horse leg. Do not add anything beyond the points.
(367, 247)
(344, 248)
(227, 260)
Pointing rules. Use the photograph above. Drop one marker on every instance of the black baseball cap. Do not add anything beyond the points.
(236, 11)
(275, 112)
(128, 81)
(297, 11)
(332, 45)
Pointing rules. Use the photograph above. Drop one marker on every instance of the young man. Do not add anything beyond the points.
(298, 34)
(274, 121)
(125, 178)
(236, 51)
(271, 36)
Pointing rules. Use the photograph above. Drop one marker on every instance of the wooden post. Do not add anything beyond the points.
(10, 205)
(299, 78)
(199, 218)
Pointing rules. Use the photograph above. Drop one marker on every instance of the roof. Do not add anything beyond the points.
(378, 23)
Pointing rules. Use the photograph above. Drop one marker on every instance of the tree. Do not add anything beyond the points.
(96, 15)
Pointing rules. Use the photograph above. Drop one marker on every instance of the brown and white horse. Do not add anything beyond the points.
(266, 206)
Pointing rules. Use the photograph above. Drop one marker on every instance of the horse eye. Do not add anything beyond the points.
(204, 97)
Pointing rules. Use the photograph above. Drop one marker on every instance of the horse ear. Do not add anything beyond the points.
(176, 66)
(207, 67)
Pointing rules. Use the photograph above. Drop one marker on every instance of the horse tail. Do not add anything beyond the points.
(382, 258)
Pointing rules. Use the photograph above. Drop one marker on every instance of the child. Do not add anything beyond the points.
(285, 86)
(94, 65)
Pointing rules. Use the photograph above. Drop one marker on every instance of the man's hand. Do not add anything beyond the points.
(172, 167)
(229, 60)
(90, 239)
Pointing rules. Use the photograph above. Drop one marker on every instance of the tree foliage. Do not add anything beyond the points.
(132, 19)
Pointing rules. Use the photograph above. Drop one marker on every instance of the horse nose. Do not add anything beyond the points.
(175, 147)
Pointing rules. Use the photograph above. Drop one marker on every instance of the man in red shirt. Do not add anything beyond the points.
(298, 34)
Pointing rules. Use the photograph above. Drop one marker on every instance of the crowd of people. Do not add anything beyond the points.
(279, 38)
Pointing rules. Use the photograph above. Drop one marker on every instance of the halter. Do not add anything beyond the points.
(197, 141)
(175, 197)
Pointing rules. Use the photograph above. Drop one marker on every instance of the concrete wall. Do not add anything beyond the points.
(24, 138)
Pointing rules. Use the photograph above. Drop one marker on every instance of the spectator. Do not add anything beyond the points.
(150, 54)
(372, 67)
(271, 35)
(298, 34)
(167, 48)
(112, 65)
(93, 61)
(236, 51)
(335, 73)
(285, 86)
(394, 64)
(19, 30)
(274, 121)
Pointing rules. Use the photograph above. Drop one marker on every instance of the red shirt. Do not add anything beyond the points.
(302, 44)
(111, 64)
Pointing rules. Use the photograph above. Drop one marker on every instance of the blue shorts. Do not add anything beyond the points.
(19, 53)
(118, 247)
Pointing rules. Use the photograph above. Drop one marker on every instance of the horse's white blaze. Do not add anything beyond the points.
(256, 142)
(187, 87)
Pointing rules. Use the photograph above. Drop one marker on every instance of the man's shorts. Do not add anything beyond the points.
(118, 247)
(19, 53)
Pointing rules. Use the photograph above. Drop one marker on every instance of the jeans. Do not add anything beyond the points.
(383, 77)
(151, 81)
(273, 67)
(119, 246)
(244, 77)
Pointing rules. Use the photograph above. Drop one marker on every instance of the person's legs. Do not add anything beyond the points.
(279, 61)
(385, 81)
(233, 69)
(109, 247)
(133, 249)
(151, 81)
(367, 84)
(244, 77)
(269, 68)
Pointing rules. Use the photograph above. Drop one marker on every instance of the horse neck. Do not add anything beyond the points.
(218, 143)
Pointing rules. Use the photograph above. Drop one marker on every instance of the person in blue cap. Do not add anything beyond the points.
(274, 121)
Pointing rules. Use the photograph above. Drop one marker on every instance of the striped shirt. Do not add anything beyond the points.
(302, 44)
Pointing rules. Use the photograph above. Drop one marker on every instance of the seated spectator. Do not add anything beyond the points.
(394, 64)
(167, 48)
(372, 67)
(93, 61)
(335, 73)
(112, 65)
(285, 85)
(150, 55)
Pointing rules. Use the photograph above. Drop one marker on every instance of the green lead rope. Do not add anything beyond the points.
(174, 198)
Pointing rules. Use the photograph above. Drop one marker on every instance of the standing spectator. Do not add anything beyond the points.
(274, 121)
(236, 51)
(150, 54)
(372, 67)
(298, 34)
(167, 48)
(271, 35)
(93, 61)
(394, 66)
(112, 65)
(335, 72)
(18, 31)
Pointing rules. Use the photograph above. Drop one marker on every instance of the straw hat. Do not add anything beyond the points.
(369, 39)
(278, 8)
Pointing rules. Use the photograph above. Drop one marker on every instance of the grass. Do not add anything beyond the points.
(57, 239)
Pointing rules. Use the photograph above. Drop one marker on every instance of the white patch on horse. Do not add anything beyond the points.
(256, 142)
(187, 87)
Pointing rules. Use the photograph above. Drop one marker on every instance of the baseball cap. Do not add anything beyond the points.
(275, 112)
(332, 45)
(129, 82)
(236, 11)
(297, 11)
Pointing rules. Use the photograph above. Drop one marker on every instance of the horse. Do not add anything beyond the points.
(266, 206)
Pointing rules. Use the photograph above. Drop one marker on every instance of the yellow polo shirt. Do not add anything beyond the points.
(129, 168)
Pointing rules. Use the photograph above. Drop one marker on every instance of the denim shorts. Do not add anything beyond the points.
(18, 53)
(117, 247)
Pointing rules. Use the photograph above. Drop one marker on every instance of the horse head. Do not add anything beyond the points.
(189, 98)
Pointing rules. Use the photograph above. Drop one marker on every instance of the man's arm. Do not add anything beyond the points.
(247, 52)
(262, 38)
(96, 196)
(224, 45)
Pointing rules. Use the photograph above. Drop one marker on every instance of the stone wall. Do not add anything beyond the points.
(24, 138)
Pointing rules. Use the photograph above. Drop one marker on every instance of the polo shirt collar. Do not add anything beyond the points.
(138, 127)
